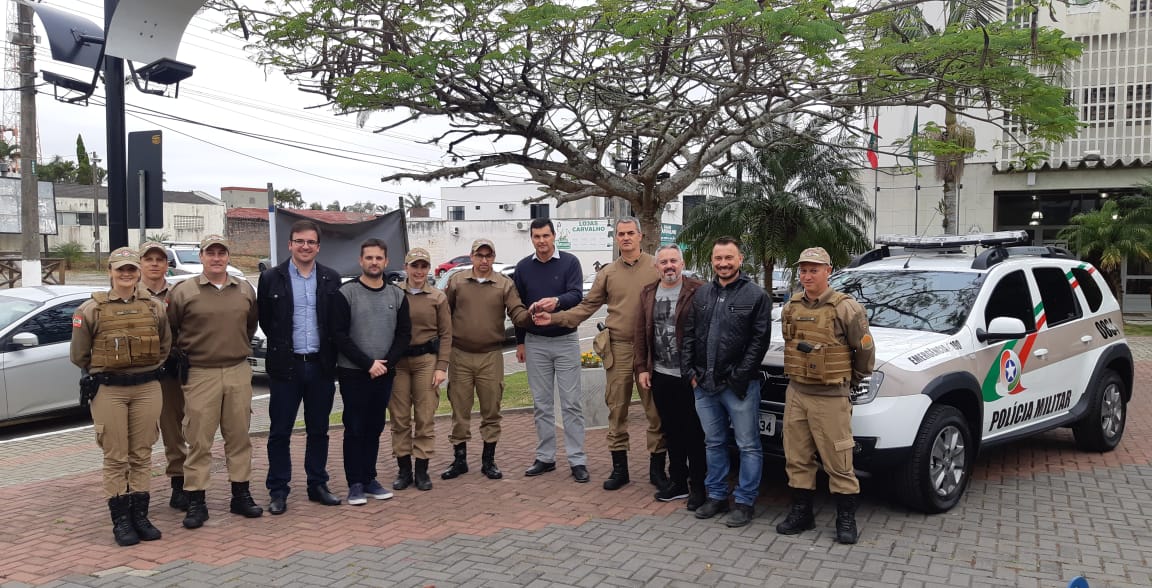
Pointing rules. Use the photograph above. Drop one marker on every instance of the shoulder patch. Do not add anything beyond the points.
(77, 320)
(866, 341)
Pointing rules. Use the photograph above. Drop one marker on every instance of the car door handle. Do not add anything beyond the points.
(1041, 353)
(1086, 339)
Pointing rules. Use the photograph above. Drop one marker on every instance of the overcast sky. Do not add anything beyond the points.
(228, 90)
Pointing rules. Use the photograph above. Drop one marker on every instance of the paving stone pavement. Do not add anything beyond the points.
(1037, 513)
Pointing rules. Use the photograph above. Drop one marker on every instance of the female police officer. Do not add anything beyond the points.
(415, 393)
(121, 338)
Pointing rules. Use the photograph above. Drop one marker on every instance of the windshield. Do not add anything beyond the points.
(188, 255)
(917, 300)
(13, 309)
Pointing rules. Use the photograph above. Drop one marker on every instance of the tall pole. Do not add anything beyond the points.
(272, 257)
(117, 152)
(95, 209)
(29, 196)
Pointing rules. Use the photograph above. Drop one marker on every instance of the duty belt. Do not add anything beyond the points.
(432, 346)
(107, 379)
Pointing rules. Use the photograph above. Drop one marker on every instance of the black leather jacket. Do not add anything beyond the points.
(745, 320)
(274, 301)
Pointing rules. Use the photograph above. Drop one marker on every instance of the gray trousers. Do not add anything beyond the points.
(554, 362)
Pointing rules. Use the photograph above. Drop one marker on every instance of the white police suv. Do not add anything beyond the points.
(973, 349)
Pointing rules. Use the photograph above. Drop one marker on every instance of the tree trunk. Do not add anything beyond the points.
(648, 212)
(768, 265)
(950, 216)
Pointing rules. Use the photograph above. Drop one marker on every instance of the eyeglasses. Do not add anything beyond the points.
(303, 242)
(483, 256)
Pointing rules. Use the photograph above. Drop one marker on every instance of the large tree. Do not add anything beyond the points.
(670, 87)
(1111, 235)
(800, 192)
(288, 198)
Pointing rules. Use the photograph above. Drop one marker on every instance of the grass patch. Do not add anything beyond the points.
(1137, 330)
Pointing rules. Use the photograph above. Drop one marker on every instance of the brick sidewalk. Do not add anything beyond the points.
(1037, 513)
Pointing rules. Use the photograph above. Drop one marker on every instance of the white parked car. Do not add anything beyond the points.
(36, 376)
(184, 260)
(971, 352)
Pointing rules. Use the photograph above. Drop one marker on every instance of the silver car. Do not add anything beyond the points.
(35, 331)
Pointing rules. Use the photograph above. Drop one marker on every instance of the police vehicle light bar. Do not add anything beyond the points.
(952, 241)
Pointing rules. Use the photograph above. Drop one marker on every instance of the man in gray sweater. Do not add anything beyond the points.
(372, 329)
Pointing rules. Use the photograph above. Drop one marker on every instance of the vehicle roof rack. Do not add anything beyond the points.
(996, 255)
(993, 239)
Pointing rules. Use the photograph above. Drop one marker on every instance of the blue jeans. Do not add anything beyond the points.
(717, 412)
(365, 404)
(316, 391)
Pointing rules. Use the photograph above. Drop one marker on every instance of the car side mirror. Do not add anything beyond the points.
(171, 263)
(1002, 328)
(24, 341)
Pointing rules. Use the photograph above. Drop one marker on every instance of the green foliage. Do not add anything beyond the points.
(1107, 237)
(566, 86)
(57, 171)
(71, 252)
(334, 205)
(157, 237)
(316, 206)
(799, 193)
(416, 201)
(288, 198)
(366, 206)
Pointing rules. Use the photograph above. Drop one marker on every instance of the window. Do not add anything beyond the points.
(539, 211)
(53, 325)
(455, 213)
(188, 223)
(933, 301)
(1060, 304)
(1089, 287)
(1138, 105)
(1011, 299)
(1098, 106)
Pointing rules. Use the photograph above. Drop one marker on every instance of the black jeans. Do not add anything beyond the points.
(365, 406)
(316, 391)
(683, 435)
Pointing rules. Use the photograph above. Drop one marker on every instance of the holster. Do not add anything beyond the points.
(88, 389)
(177, 365)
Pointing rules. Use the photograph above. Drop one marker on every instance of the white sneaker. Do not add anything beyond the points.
(356, 495)
(377, 491)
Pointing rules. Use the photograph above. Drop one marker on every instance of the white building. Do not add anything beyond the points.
(188, 216)
(1111, 87)
(583, 228)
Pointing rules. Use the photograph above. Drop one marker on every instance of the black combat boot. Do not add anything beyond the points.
(197, 510)
(423, 482)
(459, 463)
(488, 462)
(800, 518)
(697, 496)
(403, 473)
(120, 507)
(179, 500)
(242, 503)
(846, 519)
(619, 476)
(656, 474)
(144, 528)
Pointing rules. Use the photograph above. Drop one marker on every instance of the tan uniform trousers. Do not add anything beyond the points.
(413, 407)
(618, 395)
(124, 418)
(481, 374)
(172, 426)
(819, 424)
(217, 398)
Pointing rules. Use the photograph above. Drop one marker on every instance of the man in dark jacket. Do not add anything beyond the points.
(293, 299)
(664, 306)
(724, 340)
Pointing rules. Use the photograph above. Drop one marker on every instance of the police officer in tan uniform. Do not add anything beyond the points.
(153, 267)
(121, 339)
(828, 351)
(416, 390)
(213, 318)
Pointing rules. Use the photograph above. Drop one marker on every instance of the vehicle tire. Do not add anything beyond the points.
(937, 472)
(1103, 427)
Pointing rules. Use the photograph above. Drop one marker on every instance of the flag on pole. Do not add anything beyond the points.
(915, 138)
(873, 143)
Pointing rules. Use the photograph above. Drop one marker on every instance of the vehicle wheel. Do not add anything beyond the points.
(937, 473)
(1103, 427)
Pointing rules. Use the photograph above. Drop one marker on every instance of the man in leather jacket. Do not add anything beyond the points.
(725, 337)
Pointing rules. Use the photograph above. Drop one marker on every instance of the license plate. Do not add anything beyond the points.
(767, 424)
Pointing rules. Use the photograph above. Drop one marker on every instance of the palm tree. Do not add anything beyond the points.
(416, 201)
(1116, 232)
(800, 192)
